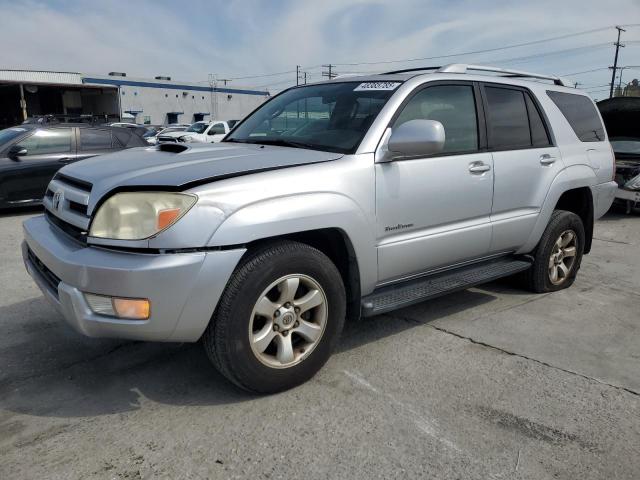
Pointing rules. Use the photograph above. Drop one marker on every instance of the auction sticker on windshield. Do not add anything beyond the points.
(376, 86)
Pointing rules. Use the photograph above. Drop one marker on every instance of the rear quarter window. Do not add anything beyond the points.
(581, 114)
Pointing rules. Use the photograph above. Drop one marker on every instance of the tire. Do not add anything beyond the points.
(539, 278)
(263, 282)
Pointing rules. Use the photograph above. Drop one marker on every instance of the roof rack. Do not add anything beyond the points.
(463, 68)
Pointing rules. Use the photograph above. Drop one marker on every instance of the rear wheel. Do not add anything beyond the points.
(278, 319)
(558, 255)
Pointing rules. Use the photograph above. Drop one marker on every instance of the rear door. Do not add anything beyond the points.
(47, 150)
(96, 141)
(525, 162)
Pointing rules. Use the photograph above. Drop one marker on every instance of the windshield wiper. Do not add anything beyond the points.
(280, 142)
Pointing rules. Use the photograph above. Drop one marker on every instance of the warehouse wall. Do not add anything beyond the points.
(153, 104)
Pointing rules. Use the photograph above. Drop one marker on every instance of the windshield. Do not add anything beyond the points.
(332, 116)
(197, 128)
(625, 145)
(9, 134)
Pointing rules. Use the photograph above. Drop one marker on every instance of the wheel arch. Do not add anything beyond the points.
(570, 190)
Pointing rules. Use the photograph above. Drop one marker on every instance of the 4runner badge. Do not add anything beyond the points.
(58, 197)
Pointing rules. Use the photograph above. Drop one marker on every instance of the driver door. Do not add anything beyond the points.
(216, 132)
(434, 211)
(47, 150)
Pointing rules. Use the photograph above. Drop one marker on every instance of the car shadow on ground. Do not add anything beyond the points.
(19, 212)
(49, 370)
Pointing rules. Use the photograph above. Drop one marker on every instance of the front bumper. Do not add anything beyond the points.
(632, 195)
(183, 288)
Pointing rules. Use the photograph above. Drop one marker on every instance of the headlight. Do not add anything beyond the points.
(139, 215)
(186, 139)
(633, 184)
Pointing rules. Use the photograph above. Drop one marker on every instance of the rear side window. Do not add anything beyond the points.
(452, 105)
(581, 114)
(94, 139)
(508, 118)
(539, 135)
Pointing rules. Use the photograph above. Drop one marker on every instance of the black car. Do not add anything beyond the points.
(30, 155)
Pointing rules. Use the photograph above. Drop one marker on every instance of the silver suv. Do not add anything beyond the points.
(330, 201)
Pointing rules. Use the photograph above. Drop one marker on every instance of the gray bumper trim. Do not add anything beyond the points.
(183, 288)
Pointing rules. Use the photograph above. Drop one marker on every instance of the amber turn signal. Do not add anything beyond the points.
(167, 217)
(134, 309)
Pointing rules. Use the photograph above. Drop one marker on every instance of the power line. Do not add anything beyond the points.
(487, 50)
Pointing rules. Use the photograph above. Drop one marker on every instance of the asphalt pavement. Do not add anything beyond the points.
(492, 382)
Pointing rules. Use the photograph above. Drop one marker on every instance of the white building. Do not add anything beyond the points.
(115, 97)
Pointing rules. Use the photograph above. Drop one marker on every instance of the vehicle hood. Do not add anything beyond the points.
(176, 134)
(161, 167)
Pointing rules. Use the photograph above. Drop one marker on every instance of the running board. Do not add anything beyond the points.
(407, 293)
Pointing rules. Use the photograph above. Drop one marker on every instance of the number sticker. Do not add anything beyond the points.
(376, 86)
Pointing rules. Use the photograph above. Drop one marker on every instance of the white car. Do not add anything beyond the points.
(200, 132)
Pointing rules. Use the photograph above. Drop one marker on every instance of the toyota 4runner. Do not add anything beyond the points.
(352, 197)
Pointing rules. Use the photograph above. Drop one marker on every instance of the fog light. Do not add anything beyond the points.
(126, 308)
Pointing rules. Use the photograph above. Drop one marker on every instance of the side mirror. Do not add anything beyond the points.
(16, 151)
(415, 138)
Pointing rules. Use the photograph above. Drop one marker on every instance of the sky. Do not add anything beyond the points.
(234, 39)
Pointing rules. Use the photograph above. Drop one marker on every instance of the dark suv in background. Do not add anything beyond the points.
(31, 154)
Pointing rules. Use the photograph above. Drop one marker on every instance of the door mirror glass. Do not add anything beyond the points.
(16, 151)
(416, 138)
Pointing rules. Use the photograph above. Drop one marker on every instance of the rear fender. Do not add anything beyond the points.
(575, 176)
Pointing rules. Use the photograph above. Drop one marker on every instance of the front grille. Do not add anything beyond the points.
(167, 139)
(66, 202)
(49, 277)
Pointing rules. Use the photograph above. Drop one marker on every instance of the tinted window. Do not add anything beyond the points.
(217, 129)
(91, 139)
(9, 134)
(581, 114)
(453, 106)
(508, 118)
(48, 141)
(539, 137)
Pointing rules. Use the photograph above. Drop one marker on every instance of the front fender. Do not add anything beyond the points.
(298, 213)
(575, 176)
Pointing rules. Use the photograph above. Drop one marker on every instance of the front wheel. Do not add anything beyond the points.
(278, 319)
(558, 254)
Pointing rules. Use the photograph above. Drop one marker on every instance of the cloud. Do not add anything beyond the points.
(232, 38)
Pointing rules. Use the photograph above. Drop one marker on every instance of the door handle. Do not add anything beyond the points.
(65, 159)
(546, 159)
(479, 167)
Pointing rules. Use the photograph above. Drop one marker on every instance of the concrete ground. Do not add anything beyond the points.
(492, 382)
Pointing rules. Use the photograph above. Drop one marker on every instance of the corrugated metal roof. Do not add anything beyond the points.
(40, 77)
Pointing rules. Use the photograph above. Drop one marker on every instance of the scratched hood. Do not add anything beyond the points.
(168, 167)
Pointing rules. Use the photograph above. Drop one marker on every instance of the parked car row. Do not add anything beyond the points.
(31, 154)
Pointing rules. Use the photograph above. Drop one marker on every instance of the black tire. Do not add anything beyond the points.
(226, 340)
(537, 278)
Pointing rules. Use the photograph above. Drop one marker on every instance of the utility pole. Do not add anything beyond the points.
(329, 73)
(305, 78)
(297, 75)
(575, 85)
(615, 60)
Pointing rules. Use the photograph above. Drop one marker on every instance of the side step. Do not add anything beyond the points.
(407, 293)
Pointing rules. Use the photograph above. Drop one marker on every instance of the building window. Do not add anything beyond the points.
(147, 120)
